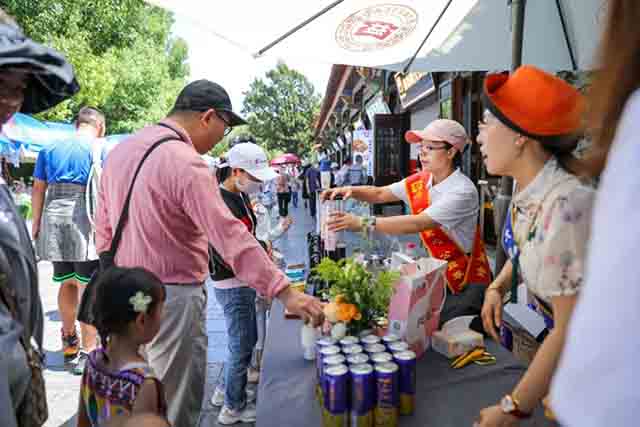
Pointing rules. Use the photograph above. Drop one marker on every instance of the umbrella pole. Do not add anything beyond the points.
(503, 199)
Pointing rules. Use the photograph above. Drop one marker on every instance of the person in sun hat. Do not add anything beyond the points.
(247, 167)
(530, 127)
(443, 202)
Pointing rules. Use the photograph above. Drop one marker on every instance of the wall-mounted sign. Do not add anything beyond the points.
(377, 106)
(413, 87)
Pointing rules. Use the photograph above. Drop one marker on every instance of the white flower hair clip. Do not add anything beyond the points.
(140, 302)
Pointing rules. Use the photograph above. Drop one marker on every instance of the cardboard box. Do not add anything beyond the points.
(453, 345)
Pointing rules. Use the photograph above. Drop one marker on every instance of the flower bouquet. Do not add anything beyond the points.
(357, 297)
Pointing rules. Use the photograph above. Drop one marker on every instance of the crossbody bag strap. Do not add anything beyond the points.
(117, 235)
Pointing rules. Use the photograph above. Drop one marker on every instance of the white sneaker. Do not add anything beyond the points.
(246, 415)
(218, 396)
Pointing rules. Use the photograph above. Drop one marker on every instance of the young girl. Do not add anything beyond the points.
(117, 380)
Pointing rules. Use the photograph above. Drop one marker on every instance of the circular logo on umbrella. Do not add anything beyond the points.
(376, 27)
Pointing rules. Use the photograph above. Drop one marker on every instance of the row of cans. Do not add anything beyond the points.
(365, 388)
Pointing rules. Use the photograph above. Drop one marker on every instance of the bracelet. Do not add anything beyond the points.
(498, 289)
(368, 224)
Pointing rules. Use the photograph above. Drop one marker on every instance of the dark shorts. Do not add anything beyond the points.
(80, 271)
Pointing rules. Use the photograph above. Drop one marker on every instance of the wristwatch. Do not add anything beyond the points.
(510, 406)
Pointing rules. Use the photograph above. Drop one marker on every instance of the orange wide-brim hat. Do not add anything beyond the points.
(536, 104)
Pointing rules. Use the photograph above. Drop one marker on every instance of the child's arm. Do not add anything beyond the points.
(83, 418)
(148, 398)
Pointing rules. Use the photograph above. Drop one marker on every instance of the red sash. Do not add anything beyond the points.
(462, 269)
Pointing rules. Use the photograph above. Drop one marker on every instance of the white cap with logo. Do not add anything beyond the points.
(252, 159)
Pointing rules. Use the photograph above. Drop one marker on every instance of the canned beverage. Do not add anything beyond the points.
(330, 350)
(370, 339)
(383, 357)
(347, 341)
(389, 339)
(325, 342)
(336, 411)
(336, 359)
(357, 359)
(363, 395)
(398, 346)
(352, 349)
(406, 361)
(374, 348)
(387, 395)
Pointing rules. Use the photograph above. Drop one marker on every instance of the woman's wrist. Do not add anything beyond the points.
(498, 287)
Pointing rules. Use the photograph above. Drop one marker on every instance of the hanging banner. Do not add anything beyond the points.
(362, 146)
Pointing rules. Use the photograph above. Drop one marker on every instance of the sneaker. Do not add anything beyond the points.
(218, 396)
(228, 416)
(70, 347)
(81, 362)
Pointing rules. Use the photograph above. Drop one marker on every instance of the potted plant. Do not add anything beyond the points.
(357, 297)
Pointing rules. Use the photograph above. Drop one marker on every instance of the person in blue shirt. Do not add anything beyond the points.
(62, 229)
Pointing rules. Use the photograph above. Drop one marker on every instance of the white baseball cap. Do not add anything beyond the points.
(252, 159)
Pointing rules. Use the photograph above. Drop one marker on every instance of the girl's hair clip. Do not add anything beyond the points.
(140, 302)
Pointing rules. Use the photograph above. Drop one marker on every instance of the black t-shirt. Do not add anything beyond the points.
(240, 207)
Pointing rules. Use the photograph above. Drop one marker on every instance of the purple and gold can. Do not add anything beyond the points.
(325, 342)
(389, 339)
(406, 361)
(387, 395)
(363, 395)
(383, 357)
(398, 346)
(369, 339)
(348, 340)
(329, 361)
(330, 350)
(357, 359)
(352, 349)
(336, 397)
(374, 348)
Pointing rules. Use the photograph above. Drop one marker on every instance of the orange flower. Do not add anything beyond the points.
(358, 316)
(339, 299)
(346, 312)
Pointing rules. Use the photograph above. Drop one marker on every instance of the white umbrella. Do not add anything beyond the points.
(453, 34)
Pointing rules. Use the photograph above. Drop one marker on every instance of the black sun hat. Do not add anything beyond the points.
(53, 79)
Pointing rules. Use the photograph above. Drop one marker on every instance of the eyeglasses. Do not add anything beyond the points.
(227, 123)
(432, 148)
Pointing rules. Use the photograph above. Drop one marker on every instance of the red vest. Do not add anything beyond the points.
(462, 268)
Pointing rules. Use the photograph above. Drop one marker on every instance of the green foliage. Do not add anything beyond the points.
(370, 293)
(280, 110)
(124, 58)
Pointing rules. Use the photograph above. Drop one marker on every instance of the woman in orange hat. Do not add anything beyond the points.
(443, 202)
(530, 128)
(596, 383)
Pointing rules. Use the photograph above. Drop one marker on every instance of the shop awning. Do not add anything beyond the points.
(455, 35)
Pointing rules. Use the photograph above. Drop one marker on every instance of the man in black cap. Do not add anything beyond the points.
(173, 216)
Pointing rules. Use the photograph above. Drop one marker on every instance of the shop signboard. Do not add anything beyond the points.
(377, 106)
(363, 146)
(413, 87)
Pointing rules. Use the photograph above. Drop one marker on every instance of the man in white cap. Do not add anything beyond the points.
(443, 202)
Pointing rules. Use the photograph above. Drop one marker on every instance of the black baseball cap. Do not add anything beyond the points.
(202, 95)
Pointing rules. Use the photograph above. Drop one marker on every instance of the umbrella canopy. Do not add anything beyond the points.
(285, 159)
(451, 35)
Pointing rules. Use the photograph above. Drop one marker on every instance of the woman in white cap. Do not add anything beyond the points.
(443, 201)
(241, 176)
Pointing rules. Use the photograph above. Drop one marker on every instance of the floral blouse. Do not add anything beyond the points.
(551, 219)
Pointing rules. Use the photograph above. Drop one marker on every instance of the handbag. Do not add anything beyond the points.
(107, 258)
(32, 411)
